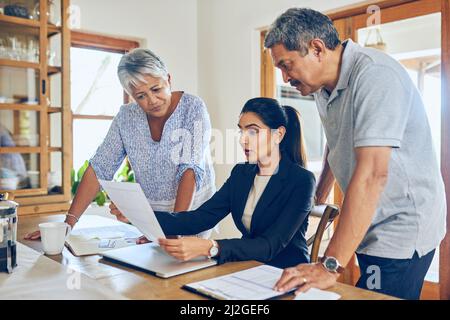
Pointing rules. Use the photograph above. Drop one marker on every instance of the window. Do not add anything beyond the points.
(96, 91)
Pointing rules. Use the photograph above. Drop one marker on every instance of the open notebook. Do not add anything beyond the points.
(95, 234)
(252, 284)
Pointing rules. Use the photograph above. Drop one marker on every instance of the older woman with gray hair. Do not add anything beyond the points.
(165, 136)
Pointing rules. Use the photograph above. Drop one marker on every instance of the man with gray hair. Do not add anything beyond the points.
(380, 151)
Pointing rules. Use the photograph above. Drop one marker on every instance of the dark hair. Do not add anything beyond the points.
(298, 26)
(274, 116)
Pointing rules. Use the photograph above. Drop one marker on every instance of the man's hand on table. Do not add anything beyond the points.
(306, 276)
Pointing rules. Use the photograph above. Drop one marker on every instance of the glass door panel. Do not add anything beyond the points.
(19, 128)
(19, 85)
(55, 173)
(19, 171)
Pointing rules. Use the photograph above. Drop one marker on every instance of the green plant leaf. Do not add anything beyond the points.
(75, 187)
(72, 176)
(122, 175)
(100, 198)
(131, 177)
(82, 170)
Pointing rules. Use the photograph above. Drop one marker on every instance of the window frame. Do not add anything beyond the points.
(99, 42)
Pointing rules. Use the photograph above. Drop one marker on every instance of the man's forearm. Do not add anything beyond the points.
(326, 180)
(358, 209)
(185, 192)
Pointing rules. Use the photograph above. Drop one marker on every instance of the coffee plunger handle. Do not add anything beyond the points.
(9, 266)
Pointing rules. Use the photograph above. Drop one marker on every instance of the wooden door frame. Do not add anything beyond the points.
(444, 268)
(347, 20)
(268, 76)
(101, 42)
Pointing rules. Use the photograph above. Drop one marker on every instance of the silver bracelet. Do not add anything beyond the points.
(72, 215)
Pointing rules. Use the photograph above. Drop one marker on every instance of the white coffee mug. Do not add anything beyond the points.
(53, 236)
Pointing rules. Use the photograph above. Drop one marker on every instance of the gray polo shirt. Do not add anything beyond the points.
(375, 103)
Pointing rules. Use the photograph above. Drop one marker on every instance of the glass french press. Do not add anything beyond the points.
(8, 233)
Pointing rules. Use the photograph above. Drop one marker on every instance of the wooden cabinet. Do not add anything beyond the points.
(35, 114)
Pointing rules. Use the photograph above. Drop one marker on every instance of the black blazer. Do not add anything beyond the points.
(279, 222)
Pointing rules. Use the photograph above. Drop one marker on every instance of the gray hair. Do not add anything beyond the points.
(298, 26)
(139, 63)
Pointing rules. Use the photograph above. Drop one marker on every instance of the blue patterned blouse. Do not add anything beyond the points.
(159, 166)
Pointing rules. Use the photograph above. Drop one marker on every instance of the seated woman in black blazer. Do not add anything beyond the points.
(273, 227)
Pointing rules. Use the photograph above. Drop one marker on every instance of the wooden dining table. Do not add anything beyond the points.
(134, 284)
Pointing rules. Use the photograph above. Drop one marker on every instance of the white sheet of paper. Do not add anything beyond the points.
(108, 232)
(254, 284)
(132, 202)
(317, 294)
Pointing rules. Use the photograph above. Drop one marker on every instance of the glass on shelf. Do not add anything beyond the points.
(54, 177)
(19, 86)
(19, 47)
(4, 49)
(19, 128)
(19, 171)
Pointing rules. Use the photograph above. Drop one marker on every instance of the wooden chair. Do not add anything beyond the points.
(327, 213)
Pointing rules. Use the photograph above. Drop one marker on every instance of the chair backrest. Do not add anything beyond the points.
(327, 213)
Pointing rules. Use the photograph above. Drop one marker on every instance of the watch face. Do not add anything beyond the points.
(331, 264)
(213, 251)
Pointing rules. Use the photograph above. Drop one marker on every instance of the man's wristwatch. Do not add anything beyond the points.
(214, 250)
(331, 264)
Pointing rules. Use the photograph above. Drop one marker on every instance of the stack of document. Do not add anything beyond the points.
(94, 235)
(90, 237)
(252, 284)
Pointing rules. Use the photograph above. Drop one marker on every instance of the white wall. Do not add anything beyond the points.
(425, 31)
(168, 27)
